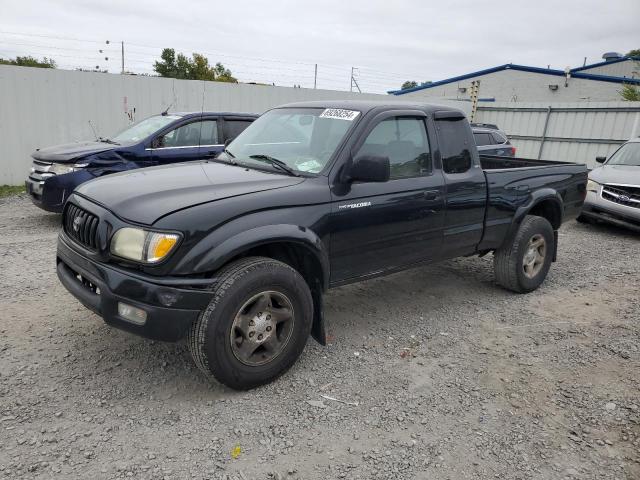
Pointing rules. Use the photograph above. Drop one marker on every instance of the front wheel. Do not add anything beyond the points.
(522, 264)
(256, 326)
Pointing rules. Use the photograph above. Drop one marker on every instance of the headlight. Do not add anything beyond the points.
(62, 168)
(142, 245)
(592, 186)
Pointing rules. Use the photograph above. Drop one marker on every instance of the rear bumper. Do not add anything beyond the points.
(170, 310)
(597, 208)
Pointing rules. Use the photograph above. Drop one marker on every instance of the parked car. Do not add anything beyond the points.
(613, 190)
(236, 252)
(490, 140)
(157, 140)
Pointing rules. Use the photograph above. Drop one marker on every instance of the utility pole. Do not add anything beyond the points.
(475, 90)
(122, 43)
(353, 81)
(315, 77)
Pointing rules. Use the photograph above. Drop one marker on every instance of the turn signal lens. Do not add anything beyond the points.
(160, 244)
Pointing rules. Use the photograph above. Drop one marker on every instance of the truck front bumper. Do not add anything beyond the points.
(597, 208)
(170, 310)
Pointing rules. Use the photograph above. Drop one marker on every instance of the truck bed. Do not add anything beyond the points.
(492, 162)
(513, 183)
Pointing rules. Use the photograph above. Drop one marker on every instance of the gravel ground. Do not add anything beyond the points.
(432, 373)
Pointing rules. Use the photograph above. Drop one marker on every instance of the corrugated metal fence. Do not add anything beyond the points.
(44, 107)
(575, 132)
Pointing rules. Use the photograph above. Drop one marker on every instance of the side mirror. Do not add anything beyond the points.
(370, 168)
(601, 159)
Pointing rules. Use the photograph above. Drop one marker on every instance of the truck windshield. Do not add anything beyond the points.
(141, 130)
(628, 154)
(303, 138)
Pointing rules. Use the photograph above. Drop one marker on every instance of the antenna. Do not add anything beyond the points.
(94, 130)
(166, 110)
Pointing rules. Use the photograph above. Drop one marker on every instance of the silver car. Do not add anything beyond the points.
(613, 190)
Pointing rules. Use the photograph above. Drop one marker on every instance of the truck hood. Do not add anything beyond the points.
(71, 151)
(622, 174)
(147, 194)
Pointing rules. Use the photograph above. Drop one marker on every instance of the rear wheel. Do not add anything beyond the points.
(523, 263)
(256, 325)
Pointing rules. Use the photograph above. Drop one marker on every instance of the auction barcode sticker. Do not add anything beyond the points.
(339, 114)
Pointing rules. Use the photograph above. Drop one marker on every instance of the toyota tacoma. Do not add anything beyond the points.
(235, 252)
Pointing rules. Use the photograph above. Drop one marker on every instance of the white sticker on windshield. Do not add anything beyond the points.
(339, 114)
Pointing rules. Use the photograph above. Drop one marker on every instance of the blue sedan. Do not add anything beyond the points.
(157, 140)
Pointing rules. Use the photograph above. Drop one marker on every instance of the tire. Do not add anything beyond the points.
(234, 320)
(509, 260)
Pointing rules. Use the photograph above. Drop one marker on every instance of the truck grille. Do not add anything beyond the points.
(81, 225)
(622, 195)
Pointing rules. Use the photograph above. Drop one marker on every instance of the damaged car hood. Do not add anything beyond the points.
(71, 151)
(145, 195)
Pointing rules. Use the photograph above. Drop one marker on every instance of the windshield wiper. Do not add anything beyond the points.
(276, 163)
(107, 140)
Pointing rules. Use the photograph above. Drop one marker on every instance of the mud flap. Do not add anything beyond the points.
(555, 246)
(319, 328)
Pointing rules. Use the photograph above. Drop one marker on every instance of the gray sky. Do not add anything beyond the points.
(280, 41)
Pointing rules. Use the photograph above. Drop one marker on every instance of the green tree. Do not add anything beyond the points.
(195, 68)
(409, 84)
(630, 93)
(634, 53)
(29, 61)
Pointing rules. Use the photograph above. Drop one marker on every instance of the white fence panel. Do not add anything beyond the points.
(44, 107)
(575, 132)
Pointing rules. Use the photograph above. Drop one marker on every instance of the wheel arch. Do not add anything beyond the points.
(299, 247)
(546, 203)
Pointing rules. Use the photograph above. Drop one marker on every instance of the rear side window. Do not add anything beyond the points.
(404, 141)
(209, 133)
(455, 144)
(483, 139)
(233, 128)
(498, 138)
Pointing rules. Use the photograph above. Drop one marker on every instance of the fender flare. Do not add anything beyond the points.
(537, 197)
(235, 245)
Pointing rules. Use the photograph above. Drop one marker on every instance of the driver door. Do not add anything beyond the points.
(381, 226)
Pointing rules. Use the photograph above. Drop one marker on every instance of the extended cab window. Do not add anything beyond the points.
(455, 143)
(404, 141)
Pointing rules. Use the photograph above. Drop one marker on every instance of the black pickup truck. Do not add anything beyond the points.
(235, 253)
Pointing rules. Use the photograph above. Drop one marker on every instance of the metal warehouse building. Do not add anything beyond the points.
(599, 82)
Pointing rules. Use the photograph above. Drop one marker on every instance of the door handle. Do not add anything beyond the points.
(211, 153)
(431, 194)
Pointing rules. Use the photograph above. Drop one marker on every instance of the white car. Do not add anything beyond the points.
(613, 190)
